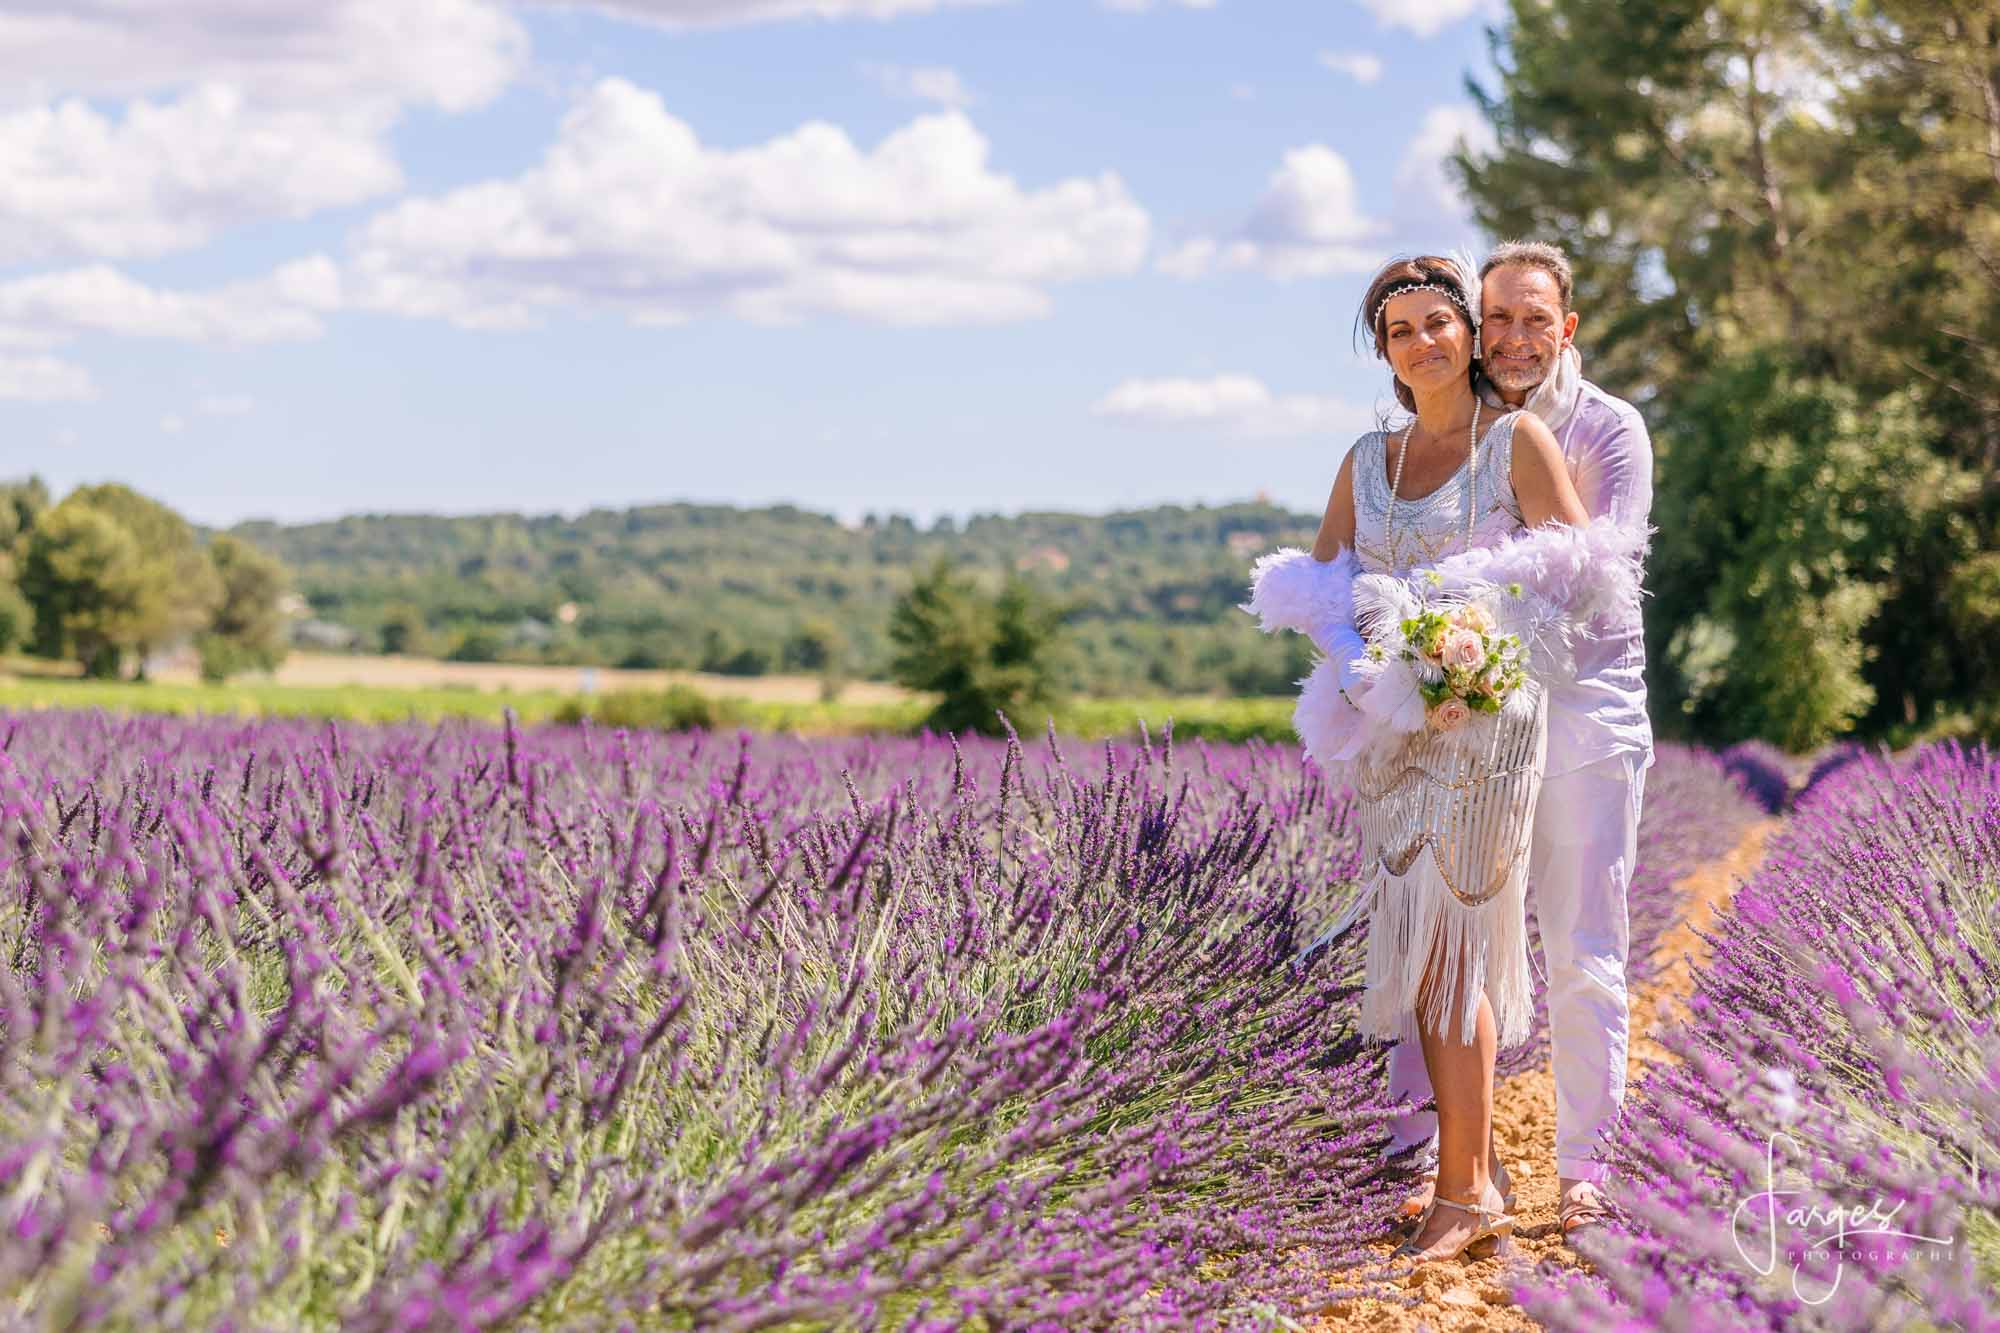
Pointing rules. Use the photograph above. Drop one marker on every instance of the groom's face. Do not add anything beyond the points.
(1523, 327)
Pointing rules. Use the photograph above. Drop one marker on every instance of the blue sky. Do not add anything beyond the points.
(918, 256)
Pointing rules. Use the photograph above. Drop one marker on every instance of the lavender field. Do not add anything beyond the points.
(404, 1027)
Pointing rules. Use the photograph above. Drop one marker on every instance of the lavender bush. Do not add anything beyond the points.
(1763, 771)
(1843, 1053)
(1829, 763)
(459, 1027)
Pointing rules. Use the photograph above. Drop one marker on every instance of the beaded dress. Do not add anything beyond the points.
(1446, 818)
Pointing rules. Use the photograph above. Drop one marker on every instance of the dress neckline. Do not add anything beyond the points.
(1388, 486)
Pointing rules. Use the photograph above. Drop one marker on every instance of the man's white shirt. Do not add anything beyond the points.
(1603, 711)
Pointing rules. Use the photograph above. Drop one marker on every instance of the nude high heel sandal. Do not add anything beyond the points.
(1494, 1224)
(1412, 1210)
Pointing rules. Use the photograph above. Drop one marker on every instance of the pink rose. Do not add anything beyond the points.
(1463, 648)
(1450, 714)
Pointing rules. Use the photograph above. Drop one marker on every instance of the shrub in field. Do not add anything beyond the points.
(1823, 1155)
(675, 708)
(982, 655)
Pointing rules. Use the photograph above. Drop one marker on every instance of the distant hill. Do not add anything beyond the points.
(1151, 593)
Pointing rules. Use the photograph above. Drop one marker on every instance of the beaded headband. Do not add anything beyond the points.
(1452, 293)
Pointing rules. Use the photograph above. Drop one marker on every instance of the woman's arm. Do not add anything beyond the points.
(1541, 479)
(1336, 526)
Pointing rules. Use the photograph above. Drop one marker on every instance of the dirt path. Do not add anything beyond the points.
(1467, 1294)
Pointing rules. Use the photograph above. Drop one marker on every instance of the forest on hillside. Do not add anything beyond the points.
(1148, 597)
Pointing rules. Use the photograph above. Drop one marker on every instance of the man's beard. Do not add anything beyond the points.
(1516, 378)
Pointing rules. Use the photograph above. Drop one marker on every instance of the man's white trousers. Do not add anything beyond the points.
(1586, 839)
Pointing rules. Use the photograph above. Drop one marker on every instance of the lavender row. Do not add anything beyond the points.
(1822, 1155)
(406, 1028)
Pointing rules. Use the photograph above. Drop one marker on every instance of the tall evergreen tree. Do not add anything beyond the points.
(982, 655)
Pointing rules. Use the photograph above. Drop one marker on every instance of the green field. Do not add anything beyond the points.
(1191, 715)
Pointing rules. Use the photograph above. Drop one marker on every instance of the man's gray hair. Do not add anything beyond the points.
(1533, 254)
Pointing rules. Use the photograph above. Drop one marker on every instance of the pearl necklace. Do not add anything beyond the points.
(1471, 486)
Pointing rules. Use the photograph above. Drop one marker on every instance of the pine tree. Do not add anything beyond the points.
(982, 655)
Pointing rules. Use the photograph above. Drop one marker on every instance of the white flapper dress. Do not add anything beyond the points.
(1446, 818)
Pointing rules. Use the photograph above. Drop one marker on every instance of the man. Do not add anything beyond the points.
(1600, 737)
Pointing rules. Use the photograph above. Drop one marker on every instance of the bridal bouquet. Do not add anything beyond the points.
(1438, 657)
(1463, 664)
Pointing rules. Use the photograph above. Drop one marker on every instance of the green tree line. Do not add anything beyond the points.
(109, 577)
(1787, 245)
(1147, 599)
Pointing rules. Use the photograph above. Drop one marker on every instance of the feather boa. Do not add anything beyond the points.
(1289, 589)
(1545, 585)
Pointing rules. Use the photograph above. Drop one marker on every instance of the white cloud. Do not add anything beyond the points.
(44, 379)
(922, 83)
(1424, 189)
(452, 54)
(48, 309)
(260, 109)
(226, 404)
(1308, 223)
(628, 212)
(1239, 405)
(172, 425)
(1429, 18)
(720, 13)
(164, 177)
(1361, 66)
(65, 438)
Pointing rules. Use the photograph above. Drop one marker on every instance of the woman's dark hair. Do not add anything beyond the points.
(1398, 275)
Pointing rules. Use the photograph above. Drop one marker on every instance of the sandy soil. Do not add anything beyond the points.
(419, 673)
(1467, 1294)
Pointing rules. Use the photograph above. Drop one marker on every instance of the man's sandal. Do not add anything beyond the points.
(1584, 1208)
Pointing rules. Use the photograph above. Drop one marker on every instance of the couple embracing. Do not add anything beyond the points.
(1474, 588)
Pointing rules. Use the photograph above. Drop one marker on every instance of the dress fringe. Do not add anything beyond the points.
(1459, 810)
(1418, 909)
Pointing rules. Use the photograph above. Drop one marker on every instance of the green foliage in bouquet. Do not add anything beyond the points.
(1483, 686)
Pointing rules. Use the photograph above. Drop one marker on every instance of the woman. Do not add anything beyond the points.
(1450, 493)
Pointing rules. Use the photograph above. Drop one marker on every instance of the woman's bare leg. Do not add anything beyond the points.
(1462, 1078)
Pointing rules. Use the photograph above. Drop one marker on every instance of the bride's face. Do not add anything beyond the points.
(1427, 340)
